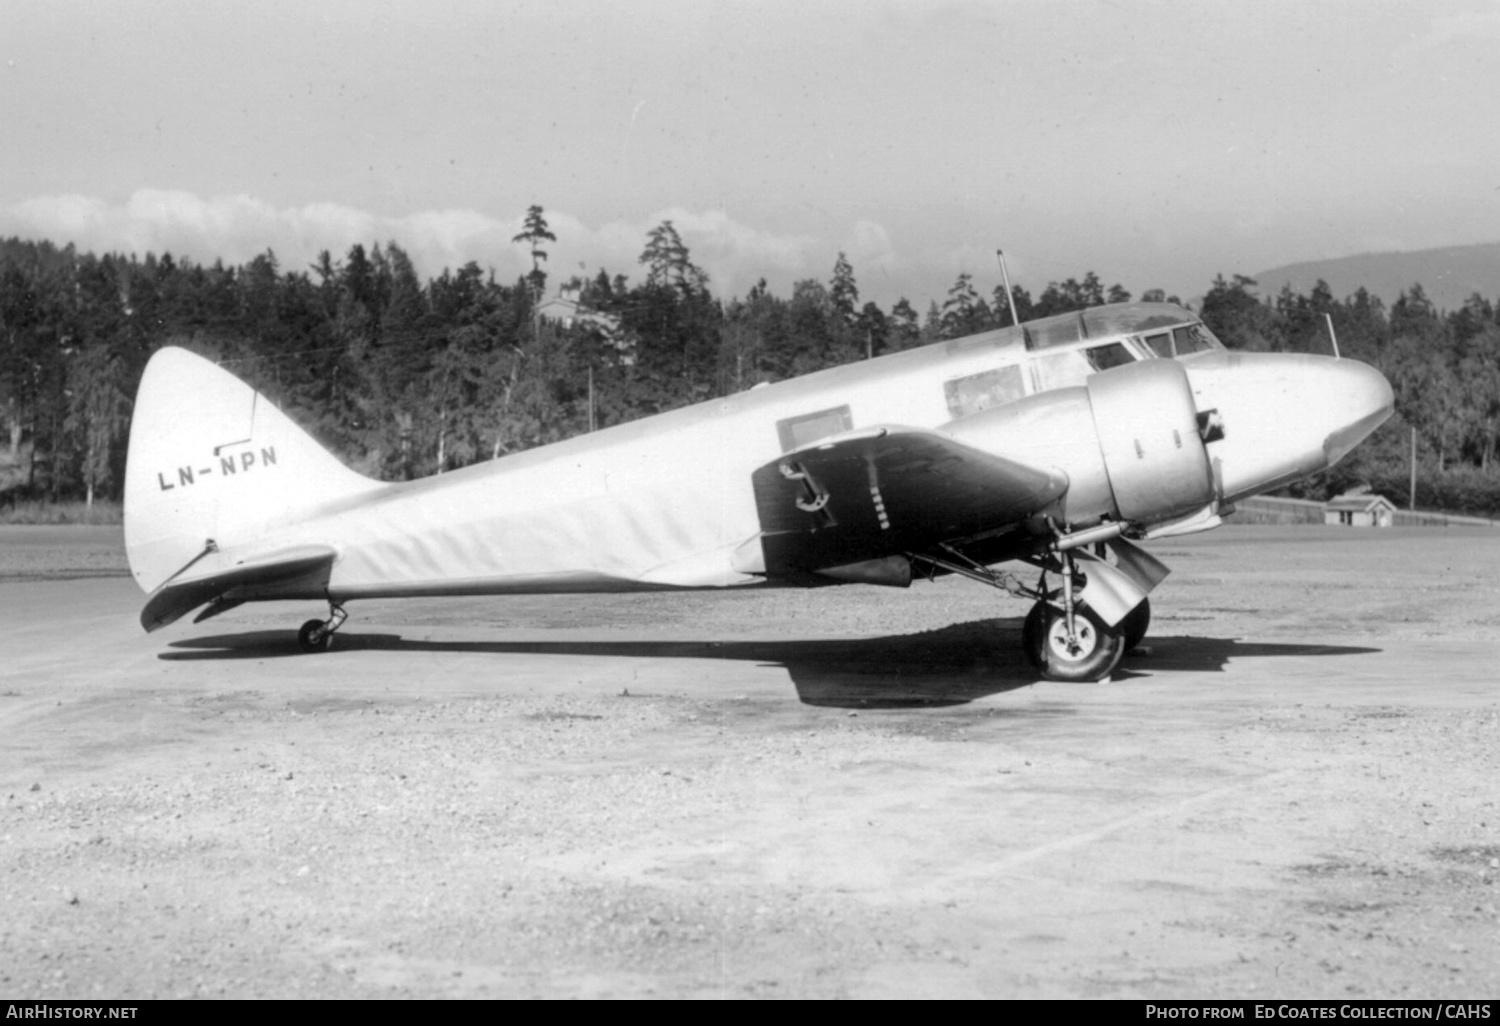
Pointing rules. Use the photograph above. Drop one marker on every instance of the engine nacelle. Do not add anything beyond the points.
(1147, 424)
(1129, 442)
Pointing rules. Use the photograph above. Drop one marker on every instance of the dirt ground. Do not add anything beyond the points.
(1294, 791)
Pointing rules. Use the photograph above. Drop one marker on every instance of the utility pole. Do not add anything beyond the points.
(536, 314)
(1411, 501)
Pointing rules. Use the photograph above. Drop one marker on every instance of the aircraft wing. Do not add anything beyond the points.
(881, 491)
(300, 572)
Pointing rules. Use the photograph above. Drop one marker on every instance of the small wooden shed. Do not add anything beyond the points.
(1362, 510)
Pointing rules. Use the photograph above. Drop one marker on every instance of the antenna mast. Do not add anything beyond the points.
(1009, 298)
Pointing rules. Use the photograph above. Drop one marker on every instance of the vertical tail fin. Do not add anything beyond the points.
(212, 463)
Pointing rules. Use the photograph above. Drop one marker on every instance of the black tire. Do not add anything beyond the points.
(1095, 656)
(313, 638)
(1033, 633)
(1135, 625)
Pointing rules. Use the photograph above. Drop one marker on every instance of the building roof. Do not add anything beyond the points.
(1366, 503)
(565, 307)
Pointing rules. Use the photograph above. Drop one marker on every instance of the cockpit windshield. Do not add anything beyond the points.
(1064, 350)
(1181, 340)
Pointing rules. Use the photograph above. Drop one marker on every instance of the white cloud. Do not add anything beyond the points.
(1434, 51)
(62, 215)
(237, 228)
(735, 255)
(1469, 27)
(870, 251)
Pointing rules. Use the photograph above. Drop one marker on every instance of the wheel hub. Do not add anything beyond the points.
(1080, 646)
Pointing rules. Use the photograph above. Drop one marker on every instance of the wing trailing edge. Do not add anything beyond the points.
(878, 492)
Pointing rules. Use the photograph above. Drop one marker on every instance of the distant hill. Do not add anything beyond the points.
(1448, 276)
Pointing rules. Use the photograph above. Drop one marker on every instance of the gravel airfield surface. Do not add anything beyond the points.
(1293, 791)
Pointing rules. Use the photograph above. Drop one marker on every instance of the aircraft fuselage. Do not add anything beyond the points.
(1129, 419)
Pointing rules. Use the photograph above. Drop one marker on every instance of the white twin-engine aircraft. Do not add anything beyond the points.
(1056, 444)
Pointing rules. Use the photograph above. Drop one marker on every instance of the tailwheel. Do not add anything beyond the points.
(317, 635)
(1090, 653)
(1135, 625)
(313, 637)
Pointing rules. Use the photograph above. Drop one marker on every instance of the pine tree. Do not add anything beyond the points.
(842, 291)
(668, 263)
(98, 413)
(906, 325)
(964, 312)
(534, 232)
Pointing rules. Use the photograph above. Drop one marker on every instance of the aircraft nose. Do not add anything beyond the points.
(1285, 415)
(1360, 400)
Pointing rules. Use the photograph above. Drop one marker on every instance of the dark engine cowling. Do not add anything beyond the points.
(1147, 424)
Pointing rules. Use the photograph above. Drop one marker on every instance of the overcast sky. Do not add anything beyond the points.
(1156, 143)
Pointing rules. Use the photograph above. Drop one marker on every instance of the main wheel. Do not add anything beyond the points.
(1135, 625)
(313, 638)
(1033, 634)
(1090, 656)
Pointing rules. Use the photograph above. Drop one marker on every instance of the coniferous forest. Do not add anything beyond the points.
(403, 378)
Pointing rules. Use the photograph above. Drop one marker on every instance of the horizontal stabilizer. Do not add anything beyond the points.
(292, 573)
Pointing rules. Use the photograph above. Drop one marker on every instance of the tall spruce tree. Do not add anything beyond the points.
(534, 232)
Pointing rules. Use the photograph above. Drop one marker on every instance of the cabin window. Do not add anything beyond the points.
(967, 396)
(1113, 355)
(796, 432)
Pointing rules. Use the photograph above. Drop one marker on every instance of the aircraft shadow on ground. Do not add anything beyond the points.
(950, 666)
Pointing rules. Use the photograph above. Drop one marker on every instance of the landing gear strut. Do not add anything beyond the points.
(1062, 637)
(1089, 651)
(1068, 641)
(316, 635)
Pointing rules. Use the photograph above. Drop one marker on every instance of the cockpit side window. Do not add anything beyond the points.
(1073, 366)
(1060, 370)
(981, 391)
(1113, 355)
